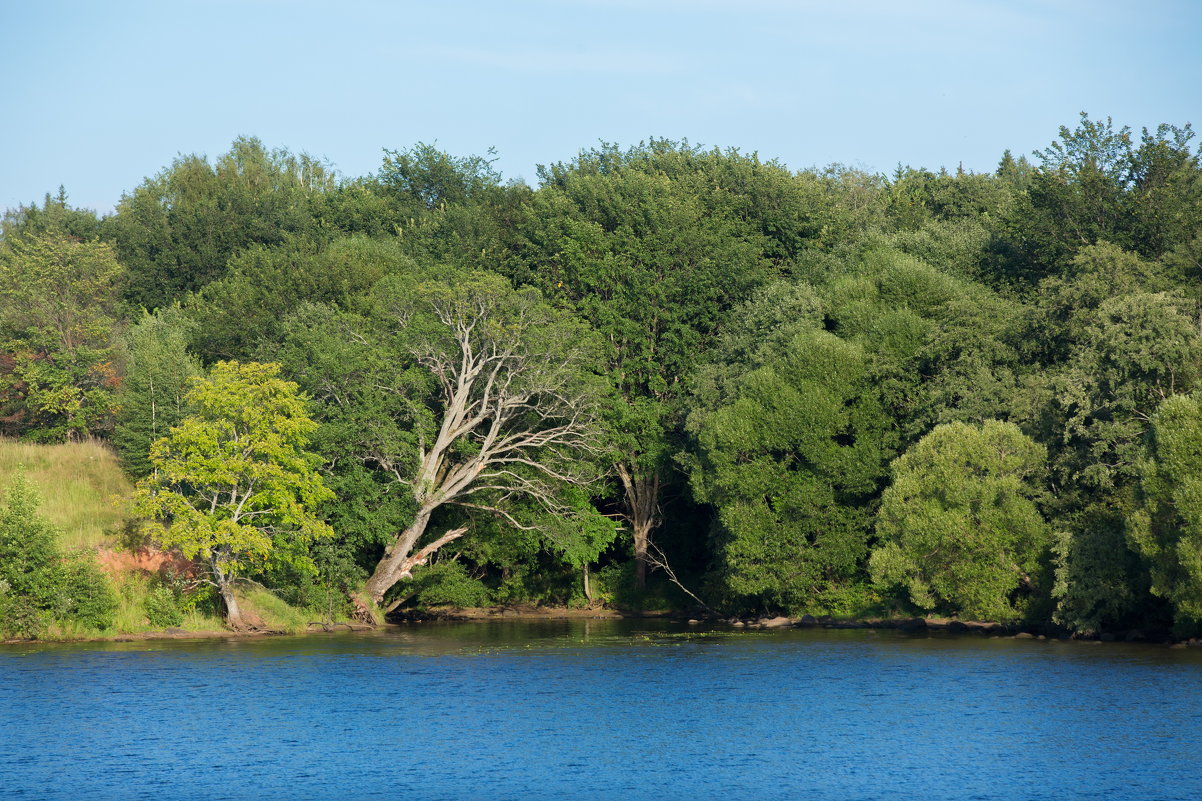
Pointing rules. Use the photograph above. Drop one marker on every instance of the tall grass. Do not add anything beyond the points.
(85, 494)
(82, 487)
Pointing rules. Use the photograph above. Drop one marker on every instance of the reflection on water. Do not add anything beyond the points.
(600, 710)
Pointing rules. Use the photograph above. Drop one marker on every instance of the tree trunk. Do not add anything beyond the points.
(225, 588)
(642, 532)
(642, 503)
(233, 612)
(389, 569)
(588, 592)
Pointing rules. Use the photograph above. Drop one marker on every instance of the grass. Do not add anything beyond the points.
(82, 487)
(277, 615)
(84, 493)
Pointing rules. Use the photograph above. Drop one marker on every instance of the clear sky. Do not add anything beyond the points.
(99, 95)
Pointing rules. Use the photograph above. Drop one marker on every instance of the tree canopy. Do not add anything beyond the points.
(662, 375)
(233, 485)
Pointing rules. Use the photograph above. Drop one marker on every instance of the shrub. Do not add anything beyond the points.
(448, 584)
(162, 607)
(39, 584)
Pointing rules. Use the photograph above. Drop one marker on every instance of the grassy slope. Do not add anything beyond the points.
(82, 487)
(84, 493)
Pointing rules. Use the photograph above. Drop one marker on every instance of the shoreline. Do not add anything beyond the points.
(521, 613)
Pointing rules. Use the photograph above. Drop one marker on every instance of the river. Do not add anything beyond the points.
(601, 710)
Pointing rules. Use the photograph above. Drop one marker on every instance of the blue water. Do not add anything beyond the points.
(600, 710)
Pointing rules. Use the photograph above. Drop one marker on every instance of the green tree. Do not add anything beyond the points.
(158, 371)
(1135, 351)
(1166, 190)
(427, 178)
(1101, 581)
(58, 309)
(461, 396)
(55, 216)
(1096, 184)
(960, 529)
(233, 485)
(177, 230)
(1167, 531)
(243, 312)
(789, 460)
(653, 251)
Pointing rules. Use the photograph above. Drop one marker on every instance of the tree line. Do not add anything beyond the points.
(662, 375)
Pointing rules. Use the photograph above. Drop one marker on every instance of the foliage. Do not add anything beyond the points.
(242, 314)
(162, 607)
(653, 246)
(38, 584)
(457, 392)
(1096, 183)
(1100, 581)
(177, 230)
(685, 340)
(58, 306)
(1134, 351)
(87, 595)
(428, 178)
(1168, 529)
(55, 216)
(158, 370)
(789, 462)
(447, 583)
(232, 484)
(960, 529)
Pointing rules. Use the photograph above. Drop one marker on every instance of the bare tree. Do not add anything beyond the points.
(512, 415)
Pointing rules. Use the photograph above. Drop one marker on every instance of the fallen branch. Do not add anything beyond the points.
(657, 561)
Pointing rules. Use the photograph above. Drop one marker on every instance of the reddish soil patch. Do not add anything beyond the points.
(147, 560)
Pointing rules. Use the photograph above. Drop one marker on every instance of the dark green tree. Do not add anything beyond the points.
(240, 314)
(158, 372)
(653, 252)
(177, 230)
(789, 459)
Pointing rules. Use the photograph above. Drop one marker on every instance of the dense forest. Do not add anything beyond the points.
(663, 377)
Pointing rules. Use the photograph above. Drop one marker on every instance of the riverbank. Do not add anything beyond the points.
(912, 624)
(530, 612)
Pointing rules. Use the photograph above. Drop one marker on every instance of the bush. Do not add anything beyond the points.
(39, 584)
(448, 584)
(162, 607)
(89, 596)
(19, 617)
(29, 556)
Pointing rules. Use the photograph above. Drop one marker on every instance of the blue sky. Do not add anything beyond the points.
(100, 95)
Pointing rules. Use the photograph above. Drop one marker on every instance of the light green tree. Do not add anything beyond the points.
(959, 528)
(1167, 531)
(233, 485)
